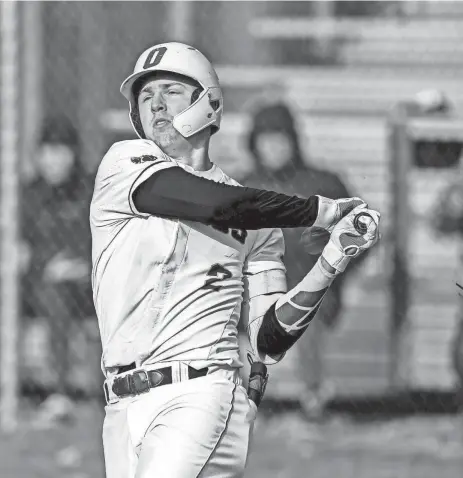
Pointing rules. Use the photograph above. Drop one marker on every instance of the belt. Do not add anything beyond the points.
(141, 381)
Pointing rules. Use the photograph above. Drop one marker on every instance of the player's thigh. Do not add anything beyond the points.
(229, 458)
(119, 455)
(202, 434)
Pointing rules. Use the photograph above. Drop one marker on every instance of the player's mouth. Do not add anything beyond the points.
(161, 122)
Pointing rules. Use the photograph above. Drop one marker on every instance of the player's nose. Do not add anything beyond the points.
(158, 103)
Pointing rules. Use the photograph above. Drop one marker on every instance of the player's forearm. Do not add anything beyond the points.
(299, 305)
(175, 193)
(286, 321)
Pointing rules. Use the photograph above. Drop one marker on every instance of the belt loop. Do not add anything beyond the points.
(110, 400)
(184, 371)
(176, 372)
(237, 377)
(106, 392)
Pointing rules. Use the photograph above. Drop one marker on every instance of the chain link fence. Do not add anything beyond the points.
(326, 79)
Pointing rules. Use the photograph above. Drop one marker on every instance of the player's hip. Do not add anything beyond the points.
(208, 419)
(210, 398)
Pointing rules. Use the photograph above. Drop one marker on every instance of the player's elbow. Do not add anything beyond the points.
(272, 339)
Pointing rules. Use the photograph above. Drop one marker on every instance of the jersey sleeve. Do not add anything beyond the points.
(266, 253)
(125, 166)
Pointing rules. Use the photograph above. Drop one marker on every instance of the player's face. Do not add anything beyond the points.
(55, 162)
(161, 98)
(275, 149)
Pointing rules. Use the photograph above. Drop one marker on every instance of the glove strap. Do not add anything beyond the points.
(335, 257)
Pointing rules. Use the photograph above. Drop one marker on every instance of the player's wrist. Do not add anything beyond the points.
(326, 269)
(326, 214)
(335, 258)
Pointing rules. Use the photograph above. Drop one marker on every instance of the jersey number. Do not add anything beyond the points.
(238, 234)
(154, 57)
(216, 274)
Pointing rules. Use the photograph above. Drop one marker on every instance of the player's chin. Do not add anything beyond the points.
(166, 138)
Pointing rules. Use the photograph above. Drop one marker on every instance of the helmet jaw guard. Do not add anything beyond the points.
(205, 111)
(198, 116)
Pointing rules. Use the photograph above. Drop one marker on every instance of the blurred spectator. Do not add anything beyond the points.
(279, 165)
(448, 219)
(56, 250)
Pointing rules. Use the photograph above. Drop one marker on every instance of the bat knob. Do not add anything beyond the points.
(361, 222)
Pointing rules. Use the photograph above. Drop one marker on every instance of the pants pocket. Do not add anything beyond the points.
(251, 413)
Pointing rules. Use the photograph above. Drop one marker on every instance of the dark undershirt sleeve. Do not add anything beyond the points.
(175, 193)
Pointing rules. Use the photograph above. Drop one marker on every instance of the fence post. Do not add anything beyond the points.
(9, 166)
(400, 151)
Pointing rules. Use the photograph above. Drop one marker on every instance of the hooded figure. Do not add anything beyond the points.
(56, 240)
(279, 165)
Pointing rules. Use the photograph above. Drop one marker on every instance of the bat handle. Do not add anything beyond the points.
(361, 222)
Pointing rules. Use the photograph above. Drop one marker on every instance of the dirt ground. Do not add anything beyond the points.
(345, 445)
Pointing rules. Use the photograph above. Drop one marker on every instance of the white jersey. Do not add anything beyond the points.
(166, 289)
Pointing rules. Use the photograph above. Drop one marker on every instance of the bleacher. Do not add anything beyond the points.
(344, 109)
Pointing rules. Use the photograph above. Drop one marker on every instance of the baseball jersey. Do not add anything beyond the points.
(167, 289)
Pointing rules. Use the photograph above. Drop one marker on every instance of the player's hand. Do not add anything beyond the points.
(347, 243)
(331, 211)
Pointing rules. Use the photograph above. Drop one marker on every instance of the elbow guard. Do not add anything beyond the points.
(272, 339)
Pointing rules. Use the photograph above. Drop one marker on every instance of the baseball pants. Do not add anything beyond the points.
(199, 428)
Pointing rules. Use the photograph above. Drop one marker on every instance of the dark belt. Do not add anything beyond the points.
(141, 381)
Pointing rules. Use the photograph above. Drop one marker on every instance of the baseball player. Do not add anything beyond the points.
(181, 253)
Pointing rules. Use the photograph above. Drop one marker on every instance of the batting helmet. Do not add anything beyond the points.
(206, 107)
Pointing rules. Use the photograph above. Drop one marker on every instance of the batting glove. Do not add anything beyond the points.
(346, 242)
(331, 211)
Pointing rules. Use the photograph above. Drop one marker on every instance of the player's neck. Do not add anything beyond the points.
(198, 160)
(193, 152)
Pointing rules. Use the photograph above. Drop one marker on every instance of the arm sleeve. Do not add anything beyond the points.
(125, 166)
(175, 193)
(264, 283)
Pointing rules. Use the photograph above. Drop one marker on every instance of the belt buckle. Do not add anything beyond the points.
(139, 382)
